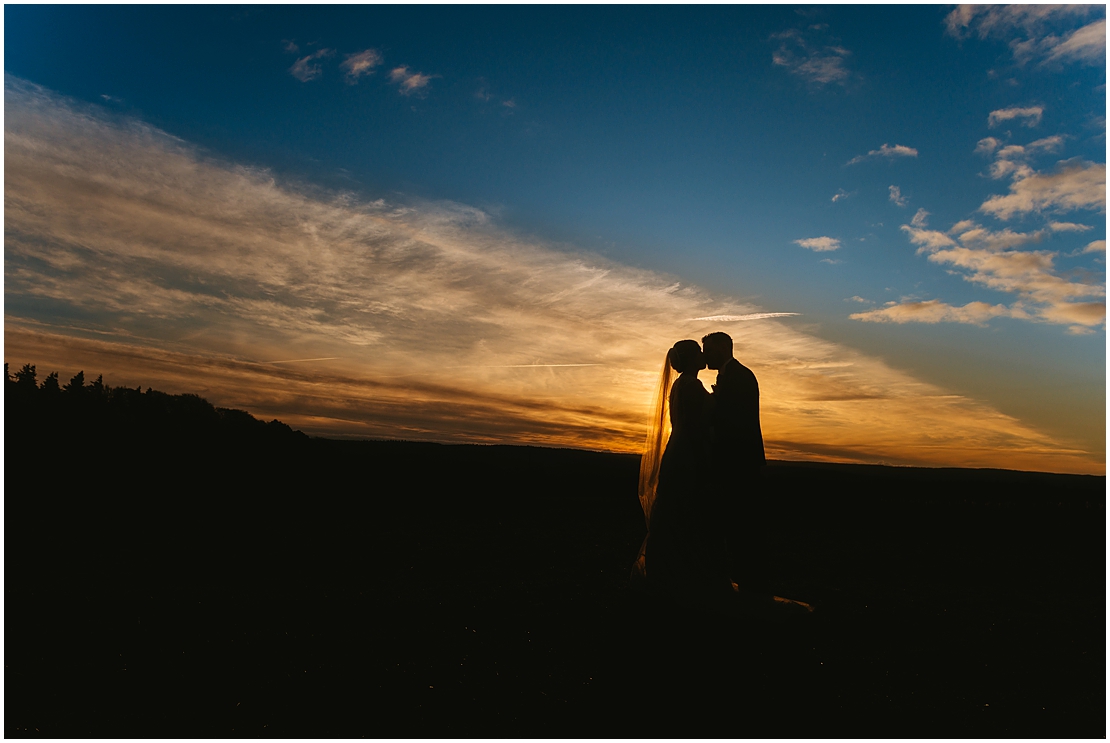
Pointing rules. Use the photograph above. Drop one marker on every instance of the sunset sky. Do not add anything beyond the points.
(489, 223)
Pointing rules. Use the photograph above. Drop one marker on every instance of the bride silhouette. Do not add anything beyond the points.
(684, 555)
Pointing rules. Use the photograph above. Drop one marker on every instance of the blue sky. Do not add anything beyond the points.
(924, 186)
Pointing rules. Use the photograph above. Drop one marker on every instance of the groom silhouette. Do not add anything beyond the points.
(737, 462)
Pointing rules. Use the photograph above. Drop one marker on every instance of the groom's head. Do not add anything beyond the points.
(718, 350)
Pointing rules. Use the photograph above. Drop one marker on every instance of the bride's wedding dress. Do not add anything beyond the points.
(683, 555)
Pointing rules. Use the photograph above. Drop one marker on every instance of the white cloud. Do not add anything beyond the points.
(840, 194)
(1030, 116)
(1003, 168)
(927, 239)
(886, 151)
(410, 82)
(290, 46)
(920, 219)
(1075, 184)
(1045, 32)
(1047, 144)
(362, 63)
(819, 64)
(934, 311)
(974, 235)
(859, 299)
(896, 196)
(129, 252)
(819, 244)
(1003, 20)
(1095, 246)
(988, 258)
(987, 146)
(304, 70)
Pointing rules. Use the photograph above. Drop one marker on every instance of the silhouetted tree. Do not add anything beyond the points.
(76, 384)
(25, 379)
(50, 385)
(96, 389)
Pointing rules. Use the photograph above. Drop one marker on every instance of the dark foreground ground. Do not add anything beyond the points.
(322, 588)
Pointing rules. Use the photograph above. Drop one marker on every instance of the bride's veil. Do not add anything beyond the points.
(659, 430)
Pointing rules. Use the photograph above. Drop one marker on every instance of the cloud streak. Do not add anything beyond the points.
(132, 254)
(819, 244)
(739, 318)
(1047, 33)
(818, 64)
(409, 82)
(358, 65)
(886, 151)
(1074, 184)
(304, 69)
(1030, 116)
(993, 259)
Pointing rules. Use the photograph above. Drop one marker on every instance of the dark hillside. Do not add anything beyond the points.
(177, 570)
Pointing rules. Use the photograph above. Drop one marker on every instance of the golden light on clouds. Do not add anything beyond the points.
(131, 254)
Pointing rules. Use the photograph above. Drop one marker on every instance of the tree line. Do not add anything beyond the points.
(52, 407)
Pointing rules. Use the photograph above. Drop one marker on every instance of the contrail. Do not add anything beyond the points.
(515, 366)
(734, 318)
(293, 361)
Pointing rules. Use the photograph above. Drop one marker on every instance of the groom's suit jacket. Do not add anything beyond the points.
(737, 437)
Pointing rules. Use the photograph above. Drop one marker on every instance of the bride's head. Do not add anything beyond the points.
(686, 356)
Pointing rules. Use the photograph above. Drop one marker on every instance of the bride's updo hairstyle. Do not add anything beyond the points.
(685, 356)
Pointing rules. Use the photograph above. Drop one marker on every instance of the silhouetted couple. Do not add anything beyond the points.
(700, 482)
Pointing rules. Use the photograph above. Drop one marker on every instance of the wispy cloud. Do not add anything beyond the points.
(839, 195)
(290, 46)
(1030, 116)
(805, 56)
(920, 218)
(998, 259)
(1047, 33)
(886, 151)
(410, 82)
(1087, 44)
(990, 259)
(130, 253)
(304, 69)
(355, 66)
(896, 196)
(819, 244)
